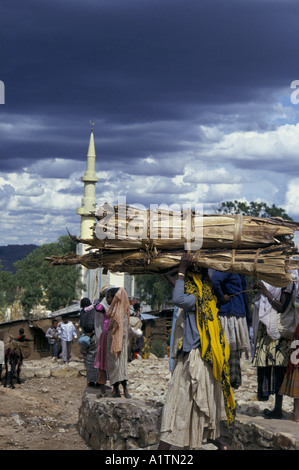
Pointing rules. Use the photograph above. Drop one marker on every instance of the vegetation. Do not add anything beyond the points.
(159, 348)
(254, 209)
(154, 290)
(8, 287)
(36, 282)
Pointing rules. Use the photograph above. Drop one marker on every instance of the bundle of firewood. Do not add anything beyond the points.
(272, 264)
(138, 241)
(130, 228)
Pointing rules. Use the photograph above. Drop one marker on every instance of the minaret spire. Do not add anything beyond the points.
(90, 178)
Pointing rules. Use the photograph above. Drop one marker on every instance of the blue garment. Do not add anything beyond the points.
(191, 338)
(230, 284)
(174, 319)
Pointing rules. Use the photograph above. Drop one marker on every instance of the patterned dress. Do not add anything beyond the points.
(290, 385)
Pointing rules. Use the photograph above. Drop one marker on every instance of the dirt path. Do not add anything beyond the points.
(41, 414)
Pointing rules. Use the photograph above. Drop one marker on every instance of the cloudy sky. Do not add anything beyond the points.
(192, 103)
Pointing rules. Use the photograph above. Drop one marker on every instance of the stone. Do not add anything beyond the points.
(64, 372)
(27, 374)
(286, 441)
(129, 423)
(42, 373)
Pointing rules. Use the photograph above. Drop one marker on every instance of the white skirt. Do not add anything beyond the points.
(236, 332)
(194, 404)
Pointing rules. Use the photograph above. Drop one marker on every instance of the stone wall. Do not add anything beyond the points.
(121, 424)
(257, 433)
(118, 424)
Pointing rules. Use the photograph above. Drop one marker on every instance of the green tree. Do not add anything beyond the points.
(154, 290)
(52, 286)
(8, 288)
(253, 208)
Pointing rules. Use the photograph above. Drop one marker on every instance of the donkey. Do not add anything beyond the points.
(13, 357)
(15, 350)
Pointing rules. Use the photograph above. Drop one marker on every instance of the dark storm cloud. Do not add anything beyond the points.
(144, 59)
(165, 81)
(136, 62)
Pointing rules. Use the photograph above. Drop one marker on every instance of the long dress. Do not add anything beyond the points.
(118, 365)
(87, 324)
(101, 359)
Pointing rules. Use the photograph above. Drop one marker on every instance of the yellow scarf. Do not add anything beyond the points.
(214, 347)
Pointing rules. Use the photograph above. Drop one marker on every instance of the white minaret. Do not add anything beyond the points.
(89, 199)
(88, 206)
(94, 279)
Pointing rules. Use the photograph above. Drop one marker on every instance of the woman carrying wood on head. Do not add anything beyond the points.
(200, 395)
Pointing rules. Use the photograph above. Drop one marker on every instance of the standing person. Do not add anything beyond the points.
(101, 358)
(233, 311)
(200, 395)
(68, 333)
(87, 323)
(290, 384)
(53, 336)
(136, 308)
(117, 339)
(272, 355)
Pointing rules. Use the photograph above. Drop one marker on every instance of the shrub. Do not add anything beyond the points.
(158, 348)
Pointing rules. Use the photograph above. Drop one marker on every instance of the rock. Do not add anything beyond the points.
(127, 423)
(17, 419)
(27, 374)
(42, 373)
(64, 372)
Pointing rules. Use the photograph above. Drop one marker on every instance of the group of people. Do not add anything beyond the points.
(104, 342)
(210, 332)
(60, 336)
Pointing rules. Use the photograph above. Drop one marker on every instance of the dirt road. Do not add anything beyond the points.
(41, 414)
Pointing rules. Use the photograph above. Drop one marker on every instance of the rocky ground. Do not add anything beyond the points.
(41, 413)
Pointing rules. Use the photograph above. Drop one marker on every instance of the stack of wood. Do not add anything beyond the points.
(139, 241)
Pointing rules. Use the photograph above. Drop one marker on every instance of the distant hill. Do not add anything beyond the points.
(11, 253)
